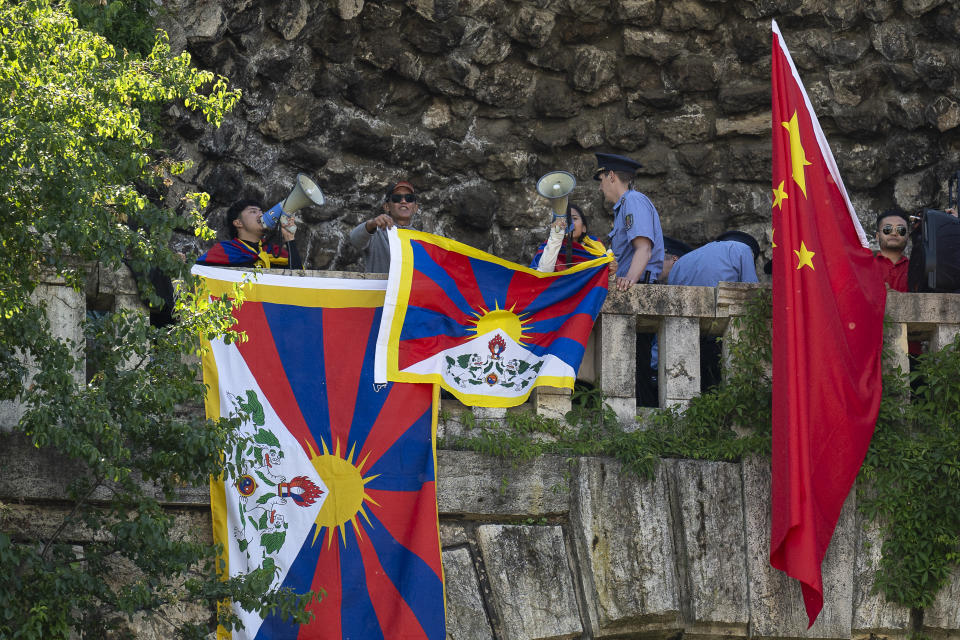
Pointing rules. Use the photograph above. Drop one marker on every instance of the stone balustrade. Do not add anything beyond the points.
(581, 548)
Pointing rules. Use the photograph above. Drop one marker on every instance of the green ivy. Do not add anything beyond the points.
(912, 474)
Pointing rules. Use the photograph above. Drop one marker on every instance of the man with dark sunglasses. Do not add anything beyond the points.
(892, 232)
(399, 207)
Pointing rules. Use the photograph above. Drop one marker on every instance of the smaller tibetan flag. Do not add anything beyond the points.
(485, 329)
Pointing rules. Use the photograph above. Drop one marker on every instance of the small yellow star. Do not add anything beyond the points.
(779, 195)
(772, 233)
(805, 256)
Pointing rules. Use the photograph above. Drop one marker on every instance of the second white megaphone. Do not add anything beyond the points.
(556, 186)
(304, 193)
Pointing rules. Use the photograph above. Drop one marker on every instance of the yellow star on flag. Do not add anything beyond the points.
(779, 195)
(773, 232)
(798, 158)
(805, 256)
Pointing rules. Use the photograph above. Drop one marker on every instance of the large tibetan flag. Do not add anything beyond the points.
(338, 491)
(485, 329)
(828, 304)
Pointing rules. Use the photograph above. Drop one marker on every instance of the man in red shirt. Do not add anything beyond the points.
(892, 236)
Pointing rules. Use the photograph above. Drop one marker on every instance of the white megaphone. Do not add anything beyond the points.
(556, 186)
(306, 192)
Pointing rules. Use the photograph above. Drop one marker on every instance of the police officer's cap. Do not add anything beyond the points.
(611, 162)
(675, 247)
(745, 238)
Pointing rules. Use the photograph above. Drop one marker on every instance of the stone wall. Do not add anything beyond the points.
(581, 548)
(472, 100)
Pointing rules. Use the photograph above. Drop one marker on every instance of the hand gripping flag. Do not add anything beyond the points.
(828, 303)
(338, 491)
(485, 329)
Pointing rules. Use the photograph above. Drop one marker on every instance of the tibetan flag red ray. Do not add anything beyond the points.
(485, 329)
(828, 303)
(339, 489)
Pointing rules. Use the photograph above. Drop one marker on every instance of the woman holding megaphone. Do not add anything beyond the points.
(568, 233)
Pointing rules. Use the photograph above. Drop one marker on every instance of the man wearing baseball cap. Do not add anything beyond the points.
(399, 207)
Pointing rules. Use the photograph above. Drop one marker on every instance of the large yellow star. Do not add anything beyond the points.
(805, 256)
(779, 195)
(798, 159)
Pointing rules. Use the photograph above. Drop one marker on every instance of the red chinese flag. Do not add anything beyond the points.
(828, 303)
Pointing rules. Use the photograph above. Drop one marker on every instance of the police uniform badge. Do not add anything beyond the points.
(628, 220)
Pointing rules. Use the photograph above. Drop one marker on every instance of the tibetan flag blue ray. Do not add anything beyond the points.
(492, 280)
(565, 349)
(510, 320)
(430, 269)
(424, 323)
(414, 579)
(369, 403)
(296, 334)
(357, 615)
(299, 509)
(405, 466)
(561, 289)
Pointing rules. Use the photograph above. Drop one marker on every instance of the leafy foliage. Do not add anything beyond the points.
(125, 23)
(913, 478)
(78, 154)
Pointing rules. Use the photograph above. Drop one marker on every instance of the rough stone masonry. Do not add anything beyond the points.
(473, 100)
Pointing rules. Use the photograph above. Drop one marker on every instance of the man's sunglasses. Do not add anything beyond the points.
(887, 230)
(403, 197)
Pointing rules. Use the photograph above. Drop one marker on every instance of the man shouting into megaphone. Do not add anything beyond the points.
(246, 247)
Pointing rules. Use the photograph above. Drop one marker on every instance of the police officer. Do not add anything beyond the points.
(636, 239)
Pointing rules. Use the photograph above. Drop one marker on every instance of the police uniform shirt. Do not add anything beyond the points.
(635, 216)
(719, 261)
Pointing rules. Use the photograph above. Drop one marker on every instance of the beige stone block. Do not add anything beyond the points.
(530, 581)
(473, 484)
(621, 529)
(551, 402)
(713, 568)
(465, 610)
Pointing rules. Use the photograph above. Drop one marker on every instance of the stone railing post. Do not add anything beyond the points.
(616, 363)
(895, 339)
(551, 402)
(943, 334)
(679, 367)
(65, 308)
